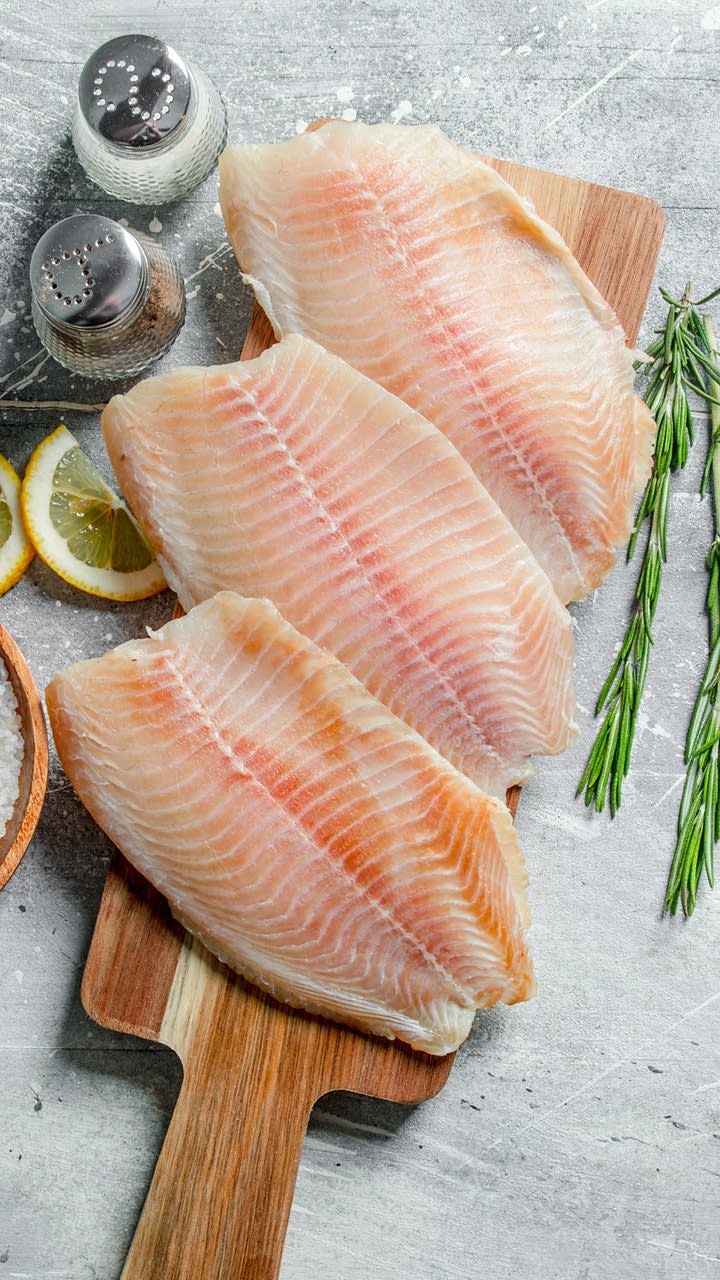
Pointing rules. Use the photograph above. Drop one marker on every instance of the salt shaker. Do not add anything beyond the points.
(107, 302)
(148, 125)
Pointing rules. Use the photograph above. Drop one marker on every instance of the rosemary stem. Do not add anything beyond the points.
(714, 388)
(697, 830)
(681, 358)
(621, 695)
(714, 426)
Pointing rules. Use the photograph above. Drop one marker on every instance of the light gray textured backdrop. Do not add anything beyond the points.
(578, 1136)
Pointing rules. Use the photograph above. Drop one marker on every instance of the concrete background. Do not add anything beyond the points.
(578, 1136)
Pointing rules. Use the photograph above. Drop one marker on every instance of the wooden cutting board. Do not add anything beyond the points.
(219, 1202)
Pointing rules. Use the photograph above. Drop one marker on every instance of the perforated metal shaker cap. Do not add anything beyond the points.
(88, 272)
(135, 93)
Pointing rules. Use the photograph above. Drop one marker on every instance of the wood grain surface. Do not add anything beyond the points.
(219, 1202)
(34, 768)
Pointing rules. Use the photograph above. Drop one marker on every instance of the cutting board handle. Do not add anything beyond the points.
(219, 1202)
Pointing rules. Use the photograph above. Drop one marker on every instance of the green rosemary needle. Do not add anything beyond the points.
(699, 816)
(677, 358)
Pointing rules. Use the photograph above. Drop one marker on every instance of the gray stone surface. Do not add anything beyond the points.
(579, 1136)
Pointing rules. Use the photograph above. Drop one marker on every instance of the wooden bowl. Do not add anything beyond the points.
(34, 768)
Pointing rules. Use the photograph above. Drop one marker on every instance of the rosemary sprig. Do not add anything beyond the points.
(676, 357)
(699, 816)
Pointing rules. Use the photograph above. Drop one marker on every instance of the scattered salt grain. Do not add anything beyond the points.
(11, 749)
(402, 109)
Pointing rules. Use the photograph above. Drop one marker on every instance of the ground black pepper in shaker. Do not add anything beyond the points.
(107, 302)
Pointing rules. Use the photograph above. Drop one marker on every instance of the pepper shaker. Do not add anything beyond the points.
(106, 302)
(148, 125)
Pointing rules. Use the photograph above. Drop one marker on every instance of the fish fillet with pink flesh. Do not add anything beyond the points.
(414, 261)
(293, 477)
(308, 837)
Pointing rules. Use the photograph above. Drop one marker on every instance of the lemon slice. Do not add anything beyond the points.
(81, 528)
(16, 549)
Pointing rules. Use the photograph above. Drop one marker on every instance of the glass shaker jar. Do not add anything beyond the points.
(106, 302)
(148, 126)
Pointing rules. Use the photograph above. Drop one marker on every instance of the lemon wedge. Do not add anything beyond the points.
(16, 549)
(81, 528)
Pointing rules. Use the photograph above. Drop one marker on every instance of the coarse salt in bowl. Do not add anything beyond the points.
(23, 755)
(12, 749)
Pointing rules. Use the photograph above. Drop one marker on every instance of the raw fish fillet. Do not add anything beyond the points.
(293, 477)
(418, 264)
(308, 837)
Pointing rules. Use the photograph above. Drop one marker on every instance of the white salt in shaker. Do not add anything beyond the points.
(107, 302)
(148, 125)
